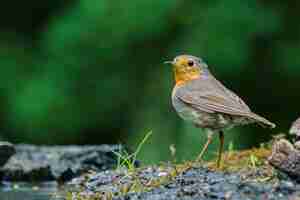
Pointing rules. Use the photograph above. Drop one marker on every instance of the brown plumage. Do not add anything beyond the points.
(200, 98)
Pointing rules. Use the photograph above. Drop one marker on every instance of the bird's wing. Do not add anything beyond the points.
(209, 95)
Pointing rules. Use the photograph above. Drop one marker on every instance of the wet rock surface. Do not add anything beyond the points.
(286, 157)
(6, 151)
(179, 184)
(57, 163)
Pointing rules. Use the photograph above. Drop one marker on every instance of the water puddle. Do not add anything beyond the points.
(30, 191)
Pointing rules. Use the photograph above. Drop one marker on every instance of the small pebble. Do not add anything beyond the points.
(297, 145)
(35, 188)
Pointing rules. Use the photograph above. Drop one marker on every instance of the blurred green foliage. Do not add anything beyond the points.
(90, 72)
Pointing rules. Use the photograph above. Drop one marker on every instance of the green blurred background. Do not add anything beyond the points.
(91, 72)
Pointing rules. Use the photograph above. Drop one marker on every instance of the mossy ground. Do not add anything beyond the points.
(251, 165)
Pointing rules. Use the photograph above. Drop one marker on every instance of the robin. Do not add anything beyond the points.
(295, 129)
(200, 98)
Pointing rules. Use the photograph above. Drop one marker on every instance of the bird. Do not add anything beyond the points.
(295, 129)
(200, 98)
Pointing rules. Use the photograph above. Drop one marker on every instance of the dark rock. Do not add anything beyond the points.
(6, 151)
(60, 163)
(192, 184)
(286, 158)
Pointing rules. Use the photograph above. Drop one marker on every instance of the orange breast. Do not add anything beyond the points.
(182, 78)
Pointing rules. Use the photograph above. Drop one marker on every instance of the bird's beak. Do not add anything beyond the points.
(168, 62)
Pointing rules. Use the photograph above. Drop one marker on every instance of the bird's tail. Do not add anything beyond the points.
(262, 121)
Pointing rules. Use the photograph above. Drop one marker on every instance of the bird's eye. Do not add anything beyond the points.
(190, 63)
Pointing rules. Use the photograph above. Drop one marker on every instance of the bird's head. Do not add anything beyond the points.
(187, 68)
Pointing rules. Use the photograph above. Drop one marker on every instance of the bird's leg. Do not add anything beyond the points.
(204, 149)
(221, 137)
